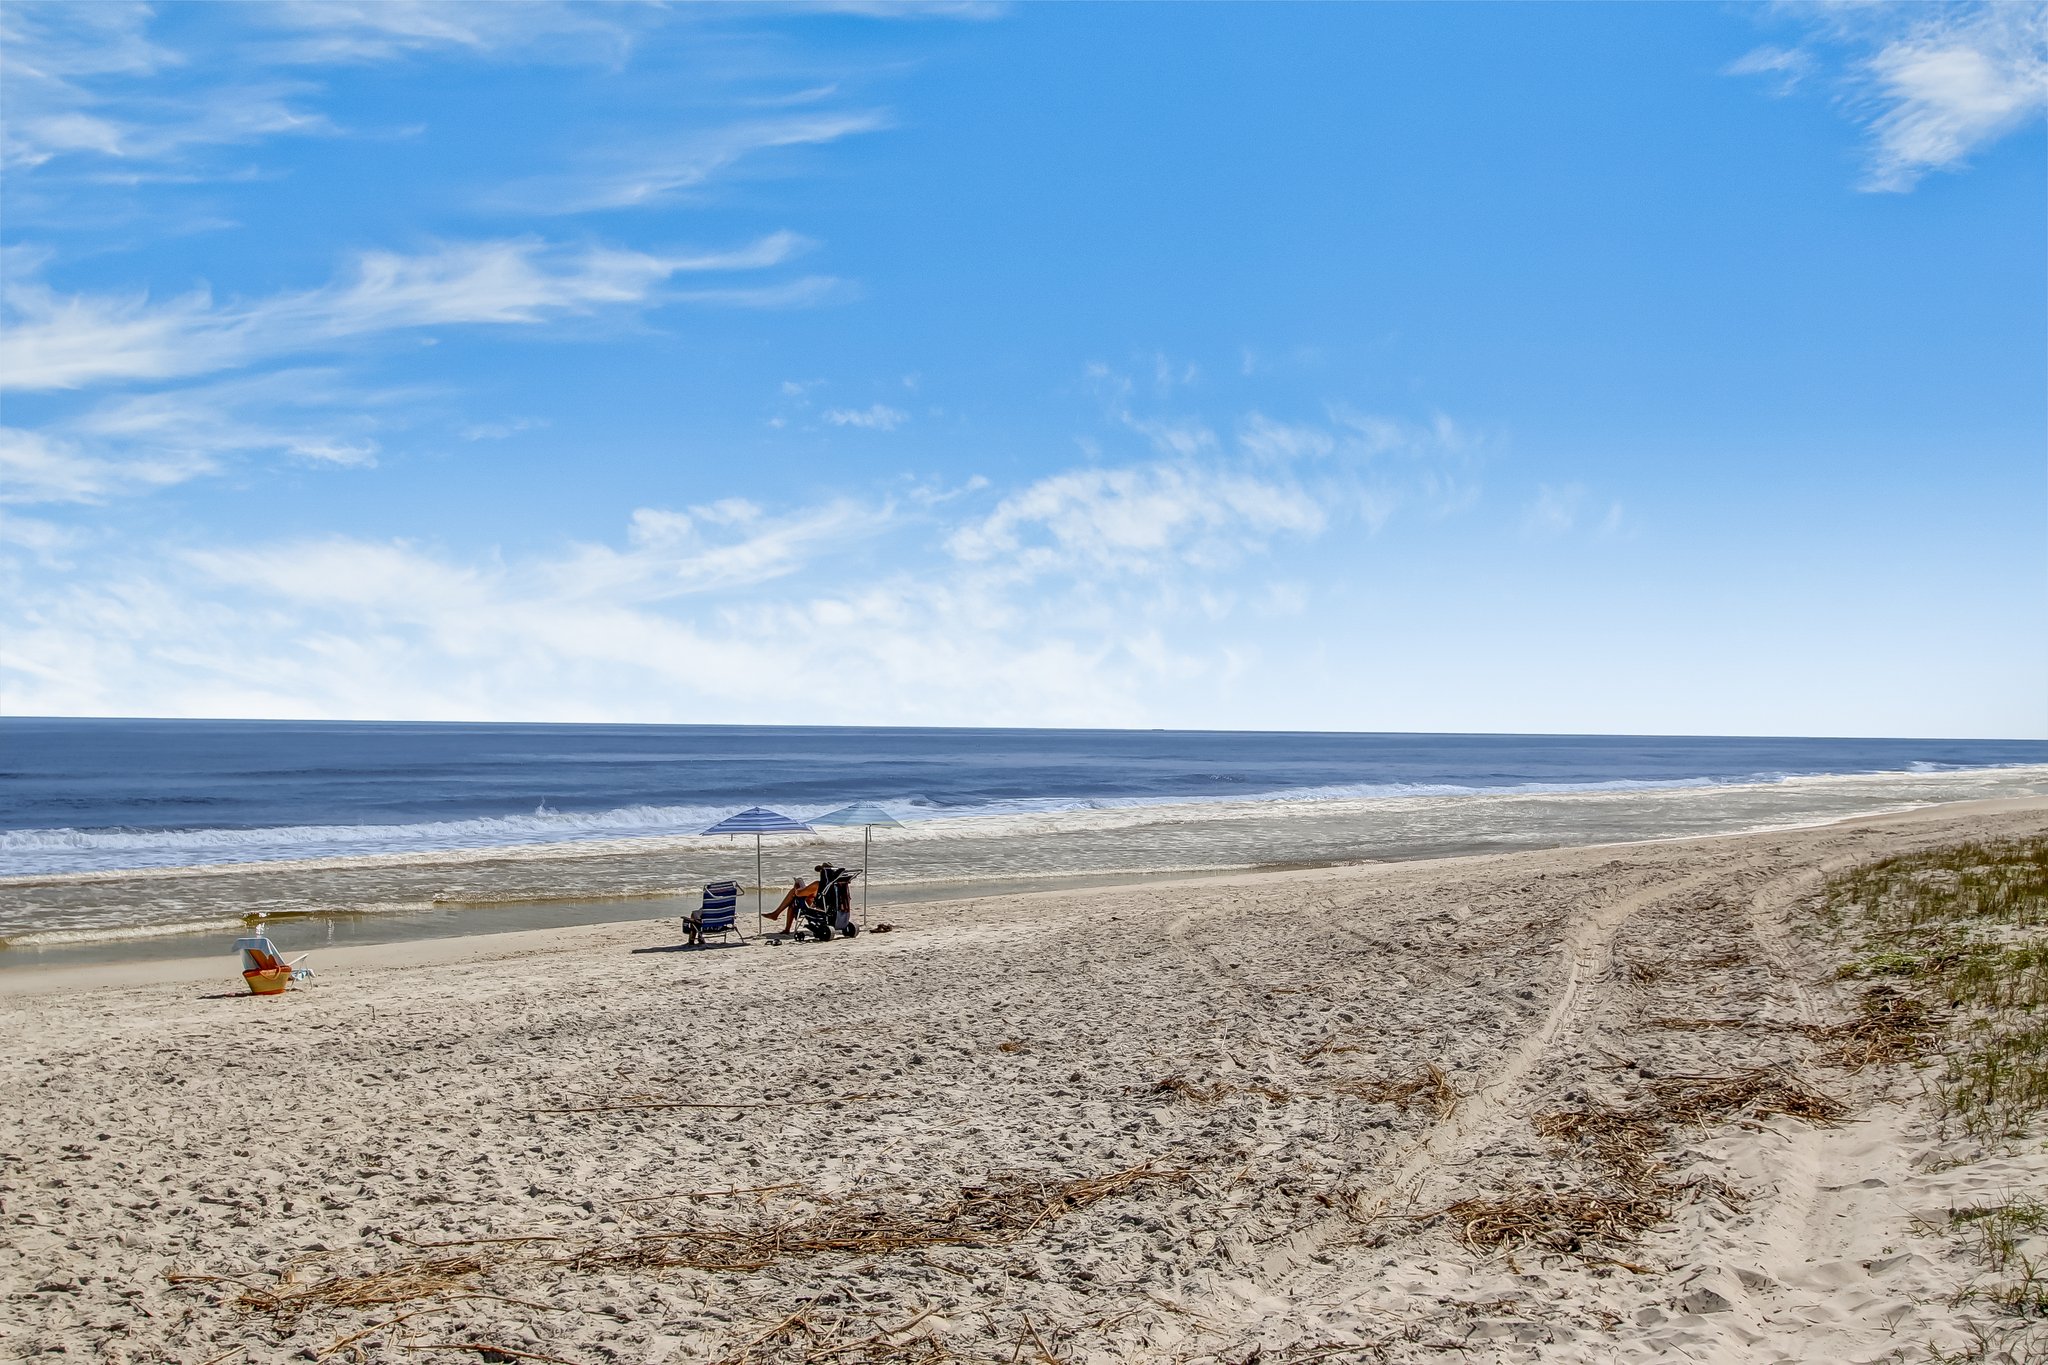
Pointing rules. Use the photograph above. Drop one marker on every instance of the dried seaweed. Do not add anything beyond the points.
(488, 1352)
(1642, 971)
(1624, 1144)
(1622, 1141)
(986, 1215)
(409, 1282)
(1567, 1221)
(1217, 1091)
(1890, 1026)
(1757, 1093)
(1329, 1047)
(979, 1216)
(1429, 1087)
(1679, 1025)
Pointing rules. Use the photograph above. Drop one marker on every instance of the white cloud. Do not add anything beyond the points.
(879, 417)
(498, 431)
(324, 31)
(400, 581)
(140, 442)
(1168, 374)
(210, 419)
(50, 42)
(1554, 512)
(652, 175)
(1370, 464)
(70, 341)
(807, 292)
(44, 540)
(916, 9)
(1953, 86)
(1203, 503)
(1074, 599)
(1559, 510)
(668, 554)
(1787, 64)
(1136, 520)
(1182, 437)
(36, 467)
(671, 625)
(1283, 442)
(1934, 84)
(75, 83)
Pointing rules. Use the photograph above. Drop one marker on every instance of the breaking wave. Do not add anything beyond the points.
(59, 851)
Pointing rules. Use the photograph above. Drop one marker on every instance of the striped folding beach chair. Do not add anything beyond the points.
(720, 913)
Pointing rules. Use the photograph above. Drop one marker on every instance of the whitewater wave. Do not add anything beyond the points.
(541, 826)
(59, 938)
(60, 851)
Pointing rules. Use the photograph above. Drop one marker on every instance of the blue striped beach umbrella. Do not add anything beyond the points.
(867, 815)
(757, 821)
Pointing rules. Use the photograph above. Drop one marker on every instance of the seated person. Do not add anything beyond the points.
(800, 894)
(832, 884)
(835, 894)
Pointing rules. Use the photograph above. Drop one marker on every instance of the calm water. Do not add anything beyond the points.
(103, 795)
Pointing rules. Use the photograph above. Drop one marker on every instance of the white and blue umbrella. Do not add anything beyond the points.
(867, 815)
(757, 821)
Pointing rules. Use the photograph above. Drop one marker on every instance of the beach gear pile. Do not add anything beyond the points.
(265, 968)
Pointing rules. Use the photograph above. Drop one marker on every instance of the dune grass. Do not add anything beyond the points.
(1962, 930)
(1954, 945)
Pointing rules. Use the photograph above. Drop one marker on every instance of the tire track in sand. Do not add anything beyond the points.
(1589, 949)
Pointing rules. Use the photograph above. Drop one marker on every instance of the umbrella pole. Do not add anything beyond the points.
(867, 858)
(757, 886)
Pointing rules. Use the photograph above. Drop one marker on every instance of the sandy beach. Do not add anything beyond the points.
(1219, 1119)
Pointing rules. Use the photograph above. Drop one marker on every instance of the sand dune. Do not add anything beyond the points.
(1215, 1120)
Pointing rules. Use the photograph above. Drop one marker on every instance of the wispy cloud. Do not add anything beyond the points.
(1372, 464)
(1786, 65)
(915, 9)
(656, 174)
(68, 341)
(1272, 477)
(498, 431)
(79, 82)
(40, 467)
(878, 417)
(337, 31)
(141, 442)
(806, 291)
(349, 626)
(1051, 605)
(1951, 86)
(1934, 84)
(718, 547)
(1140, 519)
(216, 419)
(1554, 511)
(45, 542)
(1071, 598)
(1558, 510)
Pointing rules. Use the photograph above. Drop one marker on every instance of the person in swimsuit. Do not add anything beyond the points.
(793, 900)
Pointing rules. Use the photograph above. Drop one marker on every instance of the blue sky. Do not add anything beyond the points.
(1650, 368)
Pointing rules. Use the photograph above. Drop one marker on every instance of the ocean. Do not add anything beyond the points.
(141, 828)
